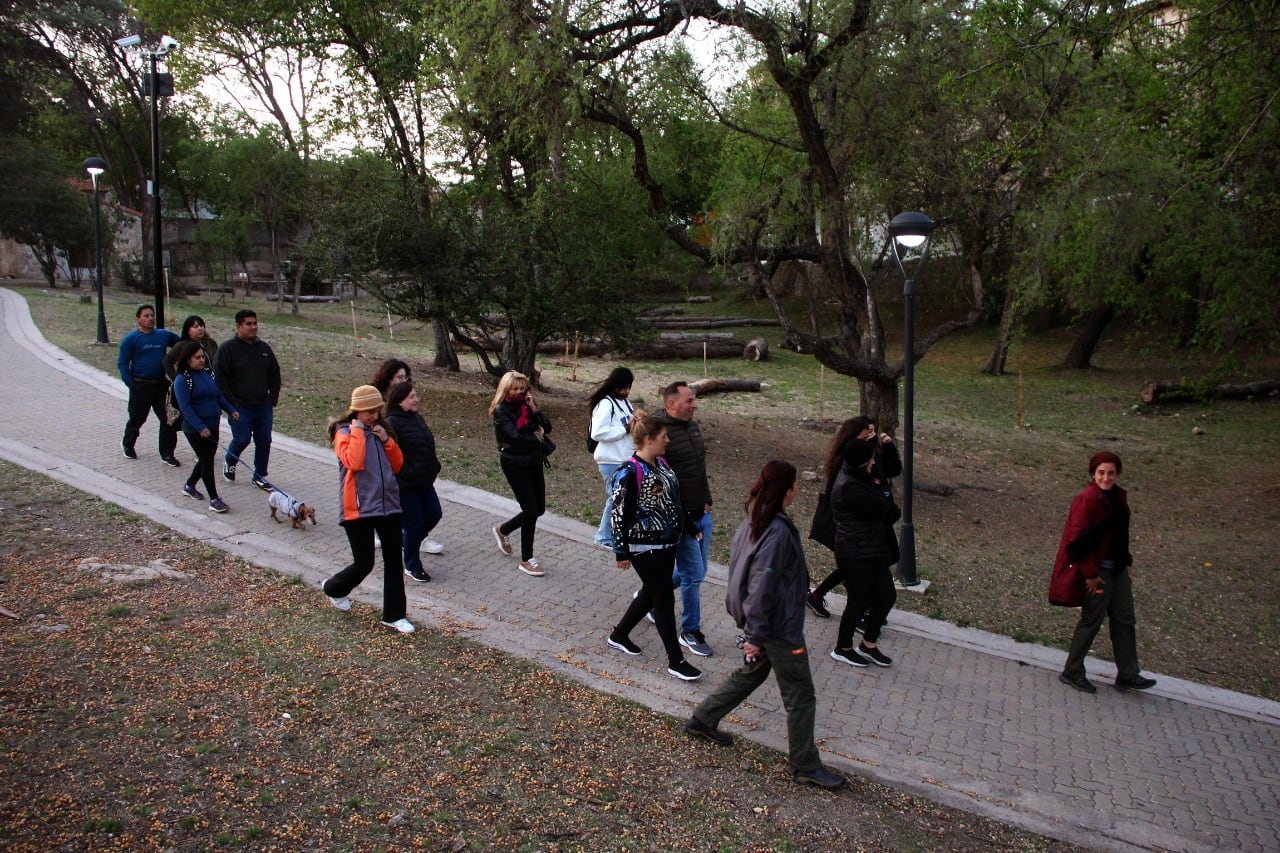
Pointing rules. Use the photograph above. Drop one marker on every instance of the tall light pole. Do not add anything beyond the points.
(909, 232)
(156, 86)
(95, 166)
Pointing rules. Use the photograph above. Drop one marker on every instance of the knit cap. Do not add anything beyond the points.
(365, 398)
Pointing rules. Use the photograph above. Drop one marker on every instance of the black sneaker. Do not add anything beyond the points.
(700, 729)
(624, 644)
(684, 671)
(850, 657)
(171, 461)
(418, 574)
(129, 452)
(818, 605)
(261, 483)
(228, 472)
(1139, 683)
(1081, 683)
(822, 777)
(877, 657)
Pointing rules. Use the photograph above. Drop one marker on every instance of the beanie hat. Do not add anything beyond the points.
(857, 453)
(365, 398)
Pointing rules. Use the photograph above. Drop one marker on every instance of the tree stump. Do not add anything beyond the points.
(757, 349)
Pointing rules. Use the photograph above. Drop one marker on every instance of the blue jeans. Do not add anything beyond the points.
(604, 535)
(255, 423)
(419, 514)
(692, 556)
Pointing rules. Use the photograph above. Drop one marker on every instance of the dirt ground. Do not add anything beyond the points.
(202, 703)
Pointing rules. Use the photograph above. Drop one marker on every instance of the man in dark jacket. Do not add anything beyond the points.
(248, 375)
(687, 456)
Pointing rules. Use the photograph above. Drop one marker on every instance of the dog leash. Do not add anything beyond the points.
(271, 487)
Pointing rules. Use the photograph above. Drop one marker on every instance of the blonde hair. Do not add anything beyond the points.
(509, 379)
(645, 427)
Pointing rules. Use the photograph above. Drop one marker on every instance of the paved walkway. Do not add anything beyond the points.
(965, 718)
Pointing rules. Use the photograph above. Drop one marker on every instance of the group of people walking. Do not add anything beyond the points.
(191, 375)
(656, 517)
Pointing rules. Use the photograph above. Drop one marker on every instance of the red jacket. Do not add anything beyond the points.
(1089, 509)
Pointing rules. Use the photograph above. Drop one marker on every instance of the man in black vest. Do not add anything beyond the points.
(687, 456)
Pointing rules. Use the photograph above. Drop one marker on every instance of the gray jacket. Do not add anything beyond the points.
(768, 581)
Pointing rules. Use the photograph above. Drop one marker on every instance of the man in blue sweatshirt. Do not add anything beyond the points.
(141, 365)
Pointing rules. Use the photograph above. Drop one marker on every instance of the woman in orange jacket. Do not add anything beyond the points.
(368, 460)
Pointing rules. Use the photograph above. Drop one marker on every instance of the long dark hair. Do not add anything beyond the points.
(395, 397)
(186, 349)
(765, 500)
(835, 453)
(193, 320)
(387, 371)
(618, 378)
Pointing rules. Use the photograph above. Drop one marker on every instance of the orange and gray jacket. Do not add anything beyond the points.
(368, 473)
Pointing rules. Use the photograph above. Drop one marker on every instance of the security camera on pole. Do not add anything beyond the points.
(156, 86)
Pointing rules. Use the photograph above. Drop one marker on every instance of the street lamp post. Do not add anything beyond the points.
(95, 166)
(155, 85)
(907, 232)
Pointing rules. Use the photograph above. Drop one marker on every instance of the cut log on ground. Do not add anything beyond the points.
(1168, 392)
(669, 345)
(757, 349)
(707, 322)
(703, 387)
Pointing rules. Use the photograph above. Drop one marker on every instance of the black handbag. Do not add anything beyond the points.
(823, 528)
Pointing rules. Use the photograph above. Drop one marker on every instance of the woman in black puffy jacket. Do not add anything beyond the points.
(419, 504)
(865, 549)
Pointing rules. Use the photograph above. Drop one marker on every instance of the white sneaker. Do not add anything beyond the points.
(404, 626)
(431, 546)
(343, 604)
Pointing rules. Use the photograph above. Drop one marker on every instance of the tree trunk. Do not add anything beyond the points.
(520, 353)
(277, 279)
(297, 285)
(446, 356)
(1009, 318)
(879, 401)
(1087, 339)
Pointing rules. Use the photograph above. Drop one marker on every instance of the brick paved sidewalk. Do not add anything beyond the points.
(965, 718)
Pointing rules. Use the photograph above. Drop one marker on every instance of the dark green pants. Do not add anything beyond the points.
(1113, 602)
(790, 666)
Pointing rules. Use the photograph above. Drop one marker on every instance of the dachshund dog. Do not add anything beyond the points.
(292, 509)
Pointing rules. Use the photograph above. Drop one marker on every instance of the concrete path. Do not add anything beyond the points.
(966, 718)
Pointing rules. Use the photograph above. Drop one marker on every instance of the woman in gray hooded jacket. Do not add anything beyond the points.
(768, 582)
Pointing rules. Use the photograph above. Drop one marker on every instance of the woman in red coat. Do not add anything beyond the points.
(1096, 540)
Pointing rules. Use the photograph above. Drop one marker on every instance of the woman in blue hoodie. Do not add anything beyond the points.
(202, 405)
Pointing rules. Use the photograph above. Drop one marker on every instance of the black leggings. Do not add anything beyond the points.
(871, 591)
(205, 449)
(656, 594)
(530, 489)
